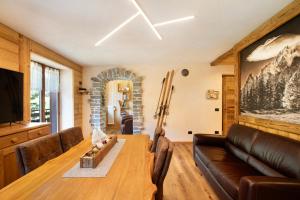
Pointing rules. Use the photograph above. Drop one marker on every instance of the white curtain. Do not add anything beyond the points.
(51, 80)
(35, 76)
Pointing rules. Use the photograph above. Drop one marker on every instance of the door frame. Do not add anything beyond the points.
(224, 75)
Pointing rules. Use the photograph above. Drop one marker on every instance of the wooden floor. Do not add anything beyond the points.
(184, 180)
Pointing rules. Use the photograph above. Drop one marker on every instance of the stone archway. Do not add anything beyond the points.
(97, 99)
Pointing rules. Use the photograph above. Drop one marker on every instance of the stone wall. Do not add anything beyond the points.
(97, 97)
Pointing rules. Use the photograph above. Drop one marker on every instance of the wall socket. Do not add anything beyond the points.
(216, 132)
(190, 132)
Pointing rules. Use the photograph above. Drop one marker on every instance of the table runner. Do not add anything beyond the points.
(103, 167)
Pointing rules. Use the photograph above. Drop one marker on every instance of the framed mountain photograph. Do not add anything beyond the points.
(270, 75)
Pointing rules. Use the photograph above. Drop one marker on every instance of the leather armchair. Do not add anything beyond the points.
(264, 187)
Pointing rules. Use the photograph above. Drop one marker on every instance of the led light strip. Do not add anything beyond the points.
(118, 28)
(174, 21)
(141, 12)
(147, 19)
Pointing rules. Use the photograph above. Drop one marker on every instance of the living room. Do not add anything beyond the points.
(144, 99)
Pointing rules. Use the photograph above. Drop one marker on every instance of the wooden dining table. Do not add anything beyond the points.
(129, 177)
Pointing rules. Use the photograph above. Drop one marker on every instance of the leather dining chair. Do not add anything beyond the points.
(162, 159)
(70, 137)
(127, 126)
(35, 153)
(157, 133)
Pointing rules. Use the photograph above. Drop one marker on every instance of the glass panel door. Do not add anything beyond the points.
(45, 95)
(36, 92)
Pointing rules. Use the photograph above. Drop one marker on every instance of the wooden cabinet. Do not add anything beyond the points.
(39, 132)
(10, 138)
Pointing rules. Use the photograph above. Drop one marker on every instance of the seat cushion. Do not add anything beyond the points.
(208, 154)
(228, 174)
(70, 137)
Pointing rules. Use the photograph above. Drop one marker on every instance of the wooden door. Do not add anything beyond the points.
(228, 99)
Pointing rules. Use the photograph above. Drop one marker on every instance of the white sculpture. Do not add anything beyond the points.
(98, 137)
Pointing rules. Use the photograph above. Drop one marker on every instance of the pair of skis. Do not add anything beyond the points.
(163, 105)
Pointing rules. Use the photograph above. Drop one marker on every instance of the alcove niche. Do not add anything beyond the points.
(97, 97)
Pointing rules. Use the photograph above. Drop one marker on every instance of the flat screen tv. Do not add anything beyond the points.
(11, 96)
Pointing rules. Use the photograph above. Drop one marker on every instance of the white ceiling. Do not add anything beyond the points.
(71, 27)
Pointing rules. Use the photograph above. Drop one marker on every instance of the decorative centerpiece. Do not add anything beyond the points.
(102, 144)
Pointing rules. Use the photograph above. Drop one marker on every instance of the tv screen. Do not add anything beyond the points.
(11, 96)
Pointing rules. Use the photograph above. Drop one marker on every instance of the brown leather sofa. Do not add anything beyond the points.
(249, 164)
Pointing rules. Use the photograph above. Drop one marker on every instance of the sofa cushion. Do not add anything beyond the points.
(211, 153)
(242, 137)
(36, 152)
(70, 137)
(237, 152)
(278, 153)
(263, 168)
(228, 174)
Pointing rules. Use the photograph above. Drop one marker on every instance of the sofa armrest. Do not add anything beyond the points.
(208, 139)
(264, 187)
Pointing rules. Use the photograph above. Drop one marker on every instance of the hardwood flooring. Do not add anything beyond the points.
(184, 180)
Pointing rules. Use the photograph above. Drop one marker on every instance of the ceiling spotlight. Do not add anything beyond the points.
(118, 28)
(146, 19)
(174, 21)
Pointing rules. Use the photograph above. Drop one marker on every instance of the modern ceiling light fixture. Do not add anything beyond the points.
(152, 26)
(174, 21)
(146, 19)
(118, 28)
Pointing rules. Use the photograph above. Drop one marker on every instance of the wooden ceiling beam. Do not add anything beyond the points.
(226, 58)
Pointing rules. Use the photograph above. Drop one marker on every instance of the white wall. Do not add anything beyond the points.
(189, 110)
(66, 99)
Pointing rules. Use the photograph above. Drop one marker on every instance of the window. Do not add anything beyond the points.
(44, 95)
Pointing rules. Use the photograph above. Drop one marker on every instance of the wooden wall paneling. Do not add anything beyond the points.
(9, 54)
(15, 52)
(77, 99)
(237, 84)
(24, 58)
(9, 34)
(228, 102)
(48, 53)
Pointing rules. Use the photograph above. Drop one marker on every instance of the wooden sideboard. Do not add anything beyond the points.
(10, 138)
